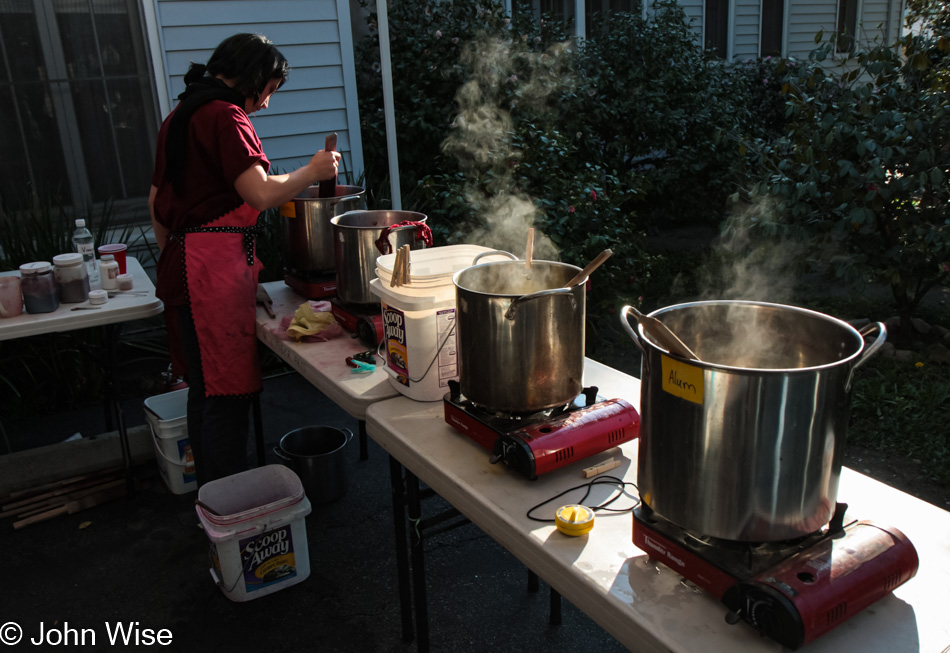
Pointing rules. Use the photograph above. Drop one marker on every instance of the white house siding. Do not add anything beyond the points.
(694, 14)
(320, 94)
(805, 19)
(746, 36)
(880, 18)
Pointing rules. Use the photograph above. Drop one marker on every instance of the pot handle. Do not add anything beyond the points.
(280, 454)
(871, 349)
(494, 252)
(517, 301)
(625, 322)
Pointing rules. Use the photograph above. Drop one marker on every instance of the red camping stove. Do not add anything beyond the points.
(794, 591)
(311, 285)
(539, 443)
(363, 321)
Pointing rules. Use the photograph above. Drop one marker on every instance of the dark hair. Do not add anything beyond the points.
(251, 60)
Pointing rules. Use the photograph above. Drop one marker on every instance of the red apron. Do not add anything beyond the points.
(221, 275)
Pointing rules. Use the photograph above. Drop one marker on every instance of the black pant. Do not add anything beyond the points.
(217, 426)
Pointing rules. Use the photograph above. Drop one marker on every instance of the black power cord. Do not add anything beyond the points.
(618, 483)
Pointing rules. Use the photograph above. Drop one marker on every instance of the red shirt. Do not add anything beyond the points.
(222, 144)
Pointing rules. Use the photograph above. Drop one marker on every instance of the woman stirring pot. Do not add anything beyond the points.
(209, 186)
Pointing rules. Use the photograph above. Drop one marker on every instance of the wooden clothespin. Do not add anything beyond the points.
(601, 467)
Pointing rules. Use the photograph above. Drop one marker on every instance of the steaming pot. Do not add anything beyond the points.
(307, 232)
(747, 444)
(520, 336)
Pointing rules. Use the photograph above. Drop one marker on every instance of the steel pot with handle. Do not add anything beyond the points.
(355, 236)
(747, 444)
(520, 335)
(306, 229)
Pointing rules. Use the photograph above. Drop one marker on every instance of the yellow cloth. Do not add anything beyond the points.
(306, 322)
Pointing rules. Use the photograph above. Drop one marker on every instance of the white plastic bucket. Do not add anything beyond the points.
(419, 319)
(166, 415)
(258, 538)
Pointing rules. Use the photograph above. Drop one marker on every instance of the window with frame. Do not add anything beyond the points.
(77, 102)
(770, 38)
(716, 28)
(847, 25)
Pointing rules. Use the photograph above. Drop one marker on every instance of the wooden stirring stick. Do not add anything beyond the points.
(593, 265)
(529, 252)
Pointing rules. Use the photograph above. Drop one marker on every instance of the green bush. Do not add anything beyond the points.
(861, 172)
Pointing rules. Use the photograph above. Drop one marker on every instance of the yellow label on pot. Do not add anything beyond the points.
(288, 210)
(682, 380)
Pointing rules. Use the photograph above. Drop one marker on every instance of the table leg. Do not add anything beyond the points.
(555, 611)
(402, 550)
(258, 429)
(114, 406)
(418, 563)
(364, 451)
(532, 581)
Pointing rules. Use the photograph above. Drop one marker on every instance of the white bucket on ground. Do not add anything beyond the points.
(166, 415)
(419, 318)
(259, 536)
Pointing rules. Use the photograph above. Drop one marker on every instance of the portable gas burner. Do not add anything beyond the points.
(793, 591)
(541, 442)
(312, 285)
(364, 321)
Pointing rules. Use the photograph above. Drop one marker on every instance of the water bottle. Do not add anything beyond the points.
(85, 245)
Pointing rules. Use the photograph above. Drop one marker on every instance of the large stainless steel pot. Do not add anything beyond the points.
(747, 445)
(354, 235)
(306, 228)
(521, 337)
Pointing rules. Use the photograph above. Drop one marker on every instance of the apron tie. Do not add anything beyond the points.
(249, 235)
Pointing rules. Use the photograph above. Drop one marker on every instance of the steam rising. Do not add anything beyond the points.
(755, 267)
(481, 138)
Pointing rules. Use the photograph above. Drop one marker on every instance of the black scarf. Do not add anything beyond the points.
(194, 96)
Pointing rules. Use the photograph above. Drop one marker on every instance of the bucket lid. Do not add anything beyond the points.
(434, 266)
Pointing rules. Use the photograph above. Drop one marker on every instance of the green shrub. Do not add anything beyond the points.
(861, 172)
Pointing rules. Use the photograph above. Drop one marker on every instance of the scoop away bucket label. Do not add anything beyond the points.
(268, 558)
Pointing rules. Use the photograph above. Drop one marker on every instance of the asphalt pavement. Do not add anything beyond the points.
(139, 568)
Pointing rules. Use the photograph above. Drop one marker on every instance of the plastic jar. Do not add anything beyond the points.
(109, 272)
(72, 278)
(38, 287)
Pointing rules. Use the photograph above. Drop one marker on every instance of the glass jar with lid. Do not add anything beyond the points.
(72, 278)
(38, 287)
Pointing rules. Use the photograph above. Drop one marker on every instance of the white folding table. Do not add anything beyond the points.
(139, 304)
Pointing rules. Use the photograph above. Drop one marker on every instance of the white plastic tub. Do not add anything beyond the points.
(258, 538)
(166, 415)
(419, 318)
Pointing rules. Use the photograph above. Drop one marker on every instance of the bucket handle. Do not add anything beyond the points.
(517, 301)
(391, 372)
(494, 252)
(158, 449)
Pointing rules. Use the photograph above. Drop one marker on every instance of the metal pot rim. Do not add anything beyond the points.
(403, 216)
(455, 277)
(852, 332)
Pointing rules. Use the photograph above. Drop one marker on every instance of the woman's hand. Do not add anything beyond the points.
(325, 164)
